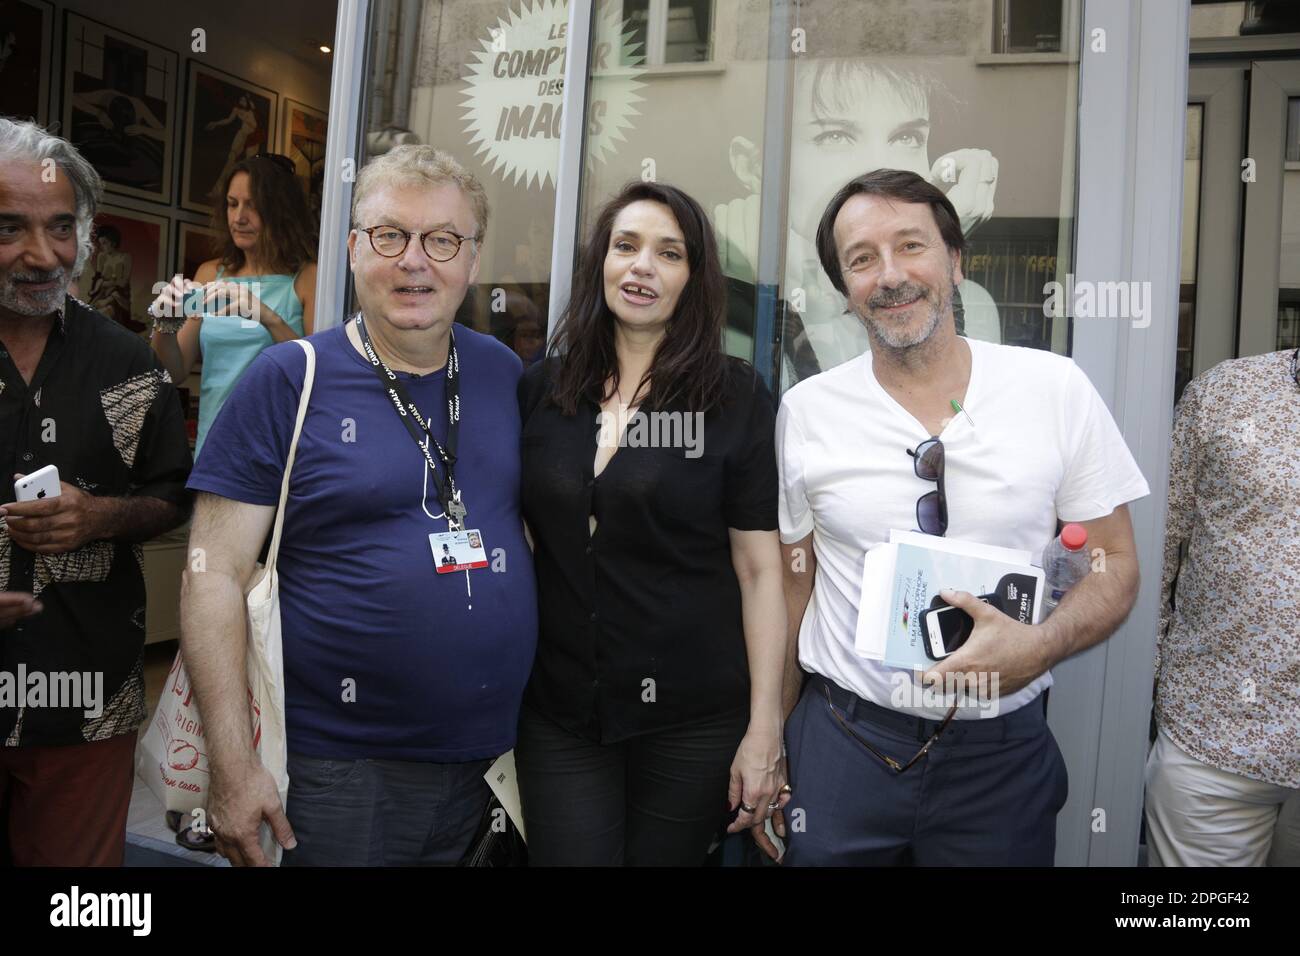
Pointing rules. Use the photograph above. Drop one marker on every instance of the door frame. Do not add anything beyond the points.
(1272, 83)
(1132, 114)
(342, 150)
(1221, 92)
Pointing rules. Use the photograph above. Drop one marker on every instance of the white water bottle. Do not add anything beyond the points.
(1065, 564)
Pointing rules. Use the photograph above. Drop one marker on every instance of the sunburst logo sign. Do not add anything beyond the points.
(515, 88)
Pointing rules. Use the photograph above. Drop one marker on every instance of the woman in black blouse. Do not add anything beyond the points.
(649, 485)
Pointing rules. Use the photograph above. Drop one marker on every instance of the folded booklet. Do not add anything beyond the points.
(901, 580)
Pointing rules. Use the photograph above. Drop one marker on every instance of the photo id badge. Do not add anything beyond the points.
(457, 551)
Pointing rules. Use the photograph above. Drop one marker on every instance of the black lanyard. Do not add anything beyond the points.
(448, 494)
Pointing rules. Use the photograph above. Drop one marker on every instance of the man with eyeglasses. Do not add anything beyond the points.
(403, 671)
(1223, 779)
(951, 436)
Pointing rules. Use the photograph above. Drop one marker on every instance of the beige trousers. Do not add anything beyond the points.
(1199, 815)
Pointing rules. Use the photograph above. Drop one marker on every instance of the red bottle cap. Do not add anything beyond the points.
(1074, 536)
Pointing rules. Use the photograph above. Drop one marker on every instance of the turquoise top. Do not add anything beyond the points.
(229, 343)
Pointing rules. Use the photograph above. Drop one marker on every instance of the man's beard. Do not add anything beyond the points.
(893, 336)
(33, 304)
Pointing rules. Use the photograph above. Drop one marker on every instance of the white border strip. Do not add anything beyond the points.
(568, 176)
(346, 84)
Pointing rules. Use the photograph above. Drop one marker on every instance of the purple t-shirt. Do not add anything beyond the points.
(437, 663)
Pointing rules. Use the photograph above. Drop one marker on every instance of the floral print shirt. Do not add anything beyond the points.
(1228, 649)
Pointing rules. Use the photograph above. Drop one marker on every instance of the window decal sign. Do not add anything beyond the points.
(515, 88)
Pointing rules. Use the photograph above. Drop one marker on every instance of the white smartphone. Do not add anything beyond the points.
(42, 483)
(946, 629)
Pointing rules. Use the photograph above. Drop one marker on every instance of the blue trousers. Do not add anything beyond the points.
(986, 794)
(383, 812)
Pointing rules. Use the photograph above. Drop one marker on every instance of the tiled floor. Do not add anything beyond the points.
(149, 841)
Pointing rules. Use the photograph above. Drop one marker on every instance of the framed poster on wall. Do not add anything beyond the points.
(194, 245)
(302, 139)
(26, 39)
(130, 257)
(119, 107)
(227, 119)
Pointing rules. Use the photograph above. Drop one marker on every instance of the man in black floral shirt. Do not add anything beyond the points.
(79, 392)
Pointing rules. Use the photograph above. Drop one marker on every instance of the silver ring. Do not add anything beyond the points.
(746, 807)
(774, 806)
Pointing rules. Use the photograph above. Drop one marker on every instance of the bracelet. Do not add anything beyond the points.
(168, 326)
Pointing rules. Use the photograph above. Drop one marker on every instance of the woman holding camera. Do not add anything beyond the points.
(258, 291)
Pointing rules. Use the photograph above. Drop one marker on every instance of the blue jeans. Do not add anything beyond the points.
(986, 794)
(383, 812)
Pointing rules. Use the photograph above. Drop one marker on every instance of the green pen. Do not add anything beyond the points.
(956, 407)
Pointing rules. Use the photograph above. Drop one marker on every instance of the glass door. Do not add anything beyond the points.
(483, 80)
(770, 107)
(1270, 286)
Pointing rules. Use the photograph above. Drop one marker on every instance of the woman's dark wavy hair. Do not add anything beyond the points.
(288, 239)
(689, 363)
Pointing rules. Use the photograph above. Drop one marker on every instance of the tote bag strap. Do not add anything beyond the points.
(307, 381)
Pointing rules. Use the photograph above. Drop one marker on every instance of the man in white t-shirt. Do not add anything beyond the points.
(879, 776)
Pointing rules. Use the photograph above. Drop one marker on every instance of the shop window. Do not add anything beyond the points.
(1244, 19)
(1293, 130)
(482, 80)
(1028, 26)
(1192, 145)
(1288, 293)
(668, 31)
(865, 89)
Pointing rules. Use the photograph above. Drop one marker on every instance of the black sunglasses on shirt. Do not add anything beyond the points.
(931, 507)
(931, 518)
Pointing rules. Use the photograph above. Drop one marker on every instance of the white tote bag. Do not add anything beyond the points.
(172, 755)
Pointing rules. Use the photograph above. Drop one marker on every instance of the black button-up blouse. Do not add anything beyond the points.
(640, 622)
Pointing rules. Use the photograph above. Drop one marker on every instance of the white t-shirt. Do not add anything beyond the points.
(1043, 447)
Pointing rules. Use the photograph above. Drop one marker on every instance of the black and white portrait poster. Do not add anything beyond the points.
(851, 115)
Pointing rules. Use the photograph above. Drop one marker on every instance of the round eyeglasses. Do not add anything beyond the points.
(440, 245)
